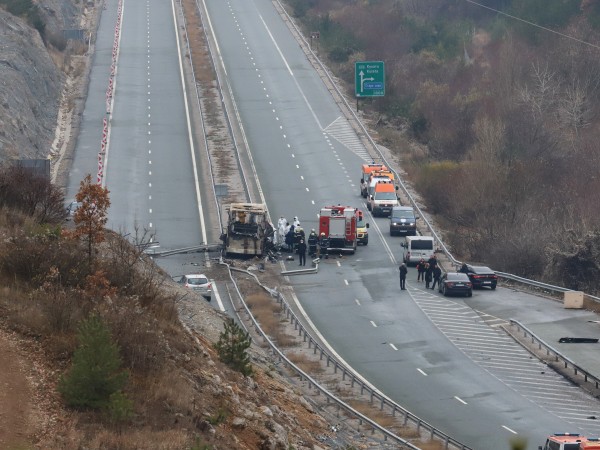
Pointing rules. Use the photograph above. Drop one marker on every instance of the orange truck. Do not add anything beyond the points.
(365, 176)
(569, 441)
(383, 198)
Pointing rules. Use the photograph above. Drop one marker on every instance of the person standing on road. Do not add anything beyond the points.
(289, 239)
(302, 252)
(281, 223)
(432, 261)
(403, 272)
(313, 239)
(437, 274)
(428, 275)
(421, 270)
(323, 246)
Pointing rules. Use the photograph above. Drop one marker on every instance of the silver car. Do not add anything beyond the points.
(198, 283)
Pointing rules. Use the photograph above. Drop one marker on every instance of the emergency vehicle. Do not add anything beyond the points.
(362, 229)
(365, 175)
(339, 223)
(383, 198)
(564, 441)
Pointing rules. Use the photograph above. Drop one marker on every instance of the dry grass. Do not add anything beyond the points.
(382, 418)
(168, 393)
(308, 365)
(388, 421)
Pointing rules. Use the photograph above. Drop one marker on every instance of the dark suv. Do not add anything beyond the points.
(403, 221)
(480, 276)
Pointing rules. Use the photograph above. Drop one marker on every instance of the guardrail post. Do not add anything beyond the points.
(328, 359)
(394, 411)
(344, 374)
(335, 367)
(382, 404)
(371, 399)
(309, 341)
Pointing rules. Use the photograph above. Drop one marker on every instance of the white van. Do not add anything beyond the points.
(417, 248)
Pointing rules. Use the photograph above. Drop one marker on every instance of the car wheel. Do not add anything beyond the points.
(493, 287)
(366, 242)
(470, 294)
(444, 291)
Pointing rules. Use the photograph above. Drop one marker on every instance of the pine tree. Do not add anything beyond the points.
(232, 346)
(95, 374)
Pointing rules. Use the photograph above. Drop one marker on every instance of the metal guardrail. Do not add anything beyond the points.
(558, 357)
(196, 248)
(375, 395)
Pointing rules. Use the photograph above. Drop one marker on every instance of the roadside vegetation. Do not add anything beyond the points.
(495, 121)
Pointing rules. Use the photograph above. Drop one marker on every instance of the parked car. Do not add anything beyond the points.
(198, 283)
(456, 283)
(480, 276)
(403, 221)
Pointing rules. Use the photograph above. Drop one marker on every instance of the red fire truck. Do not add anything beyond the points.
(339, 225)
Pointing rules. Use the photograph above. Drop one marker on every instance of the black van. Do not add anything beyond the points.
(403, 221)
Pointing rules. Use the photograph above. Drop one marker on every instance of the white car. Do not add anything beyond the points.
(199, 283)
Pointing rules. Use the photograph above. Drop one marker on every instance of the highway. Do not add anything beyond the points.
(437, 357)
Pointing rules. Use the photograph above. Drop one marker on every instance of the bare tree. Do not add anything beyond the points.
(574, 109)
(541, 96)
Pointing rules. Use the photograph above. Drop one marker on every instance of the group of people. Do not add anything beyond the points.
(428, 271)
(293, 239)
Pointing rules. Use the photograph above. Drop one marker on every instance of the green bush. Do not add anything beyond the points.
(232, 346)
(95, 375)
(119, 408)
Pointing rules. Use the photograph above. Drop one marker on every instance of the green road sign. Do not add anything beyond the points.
(369, 79)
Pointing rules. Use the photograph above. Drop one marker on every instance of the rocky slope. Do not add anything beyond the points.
(31, 83)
